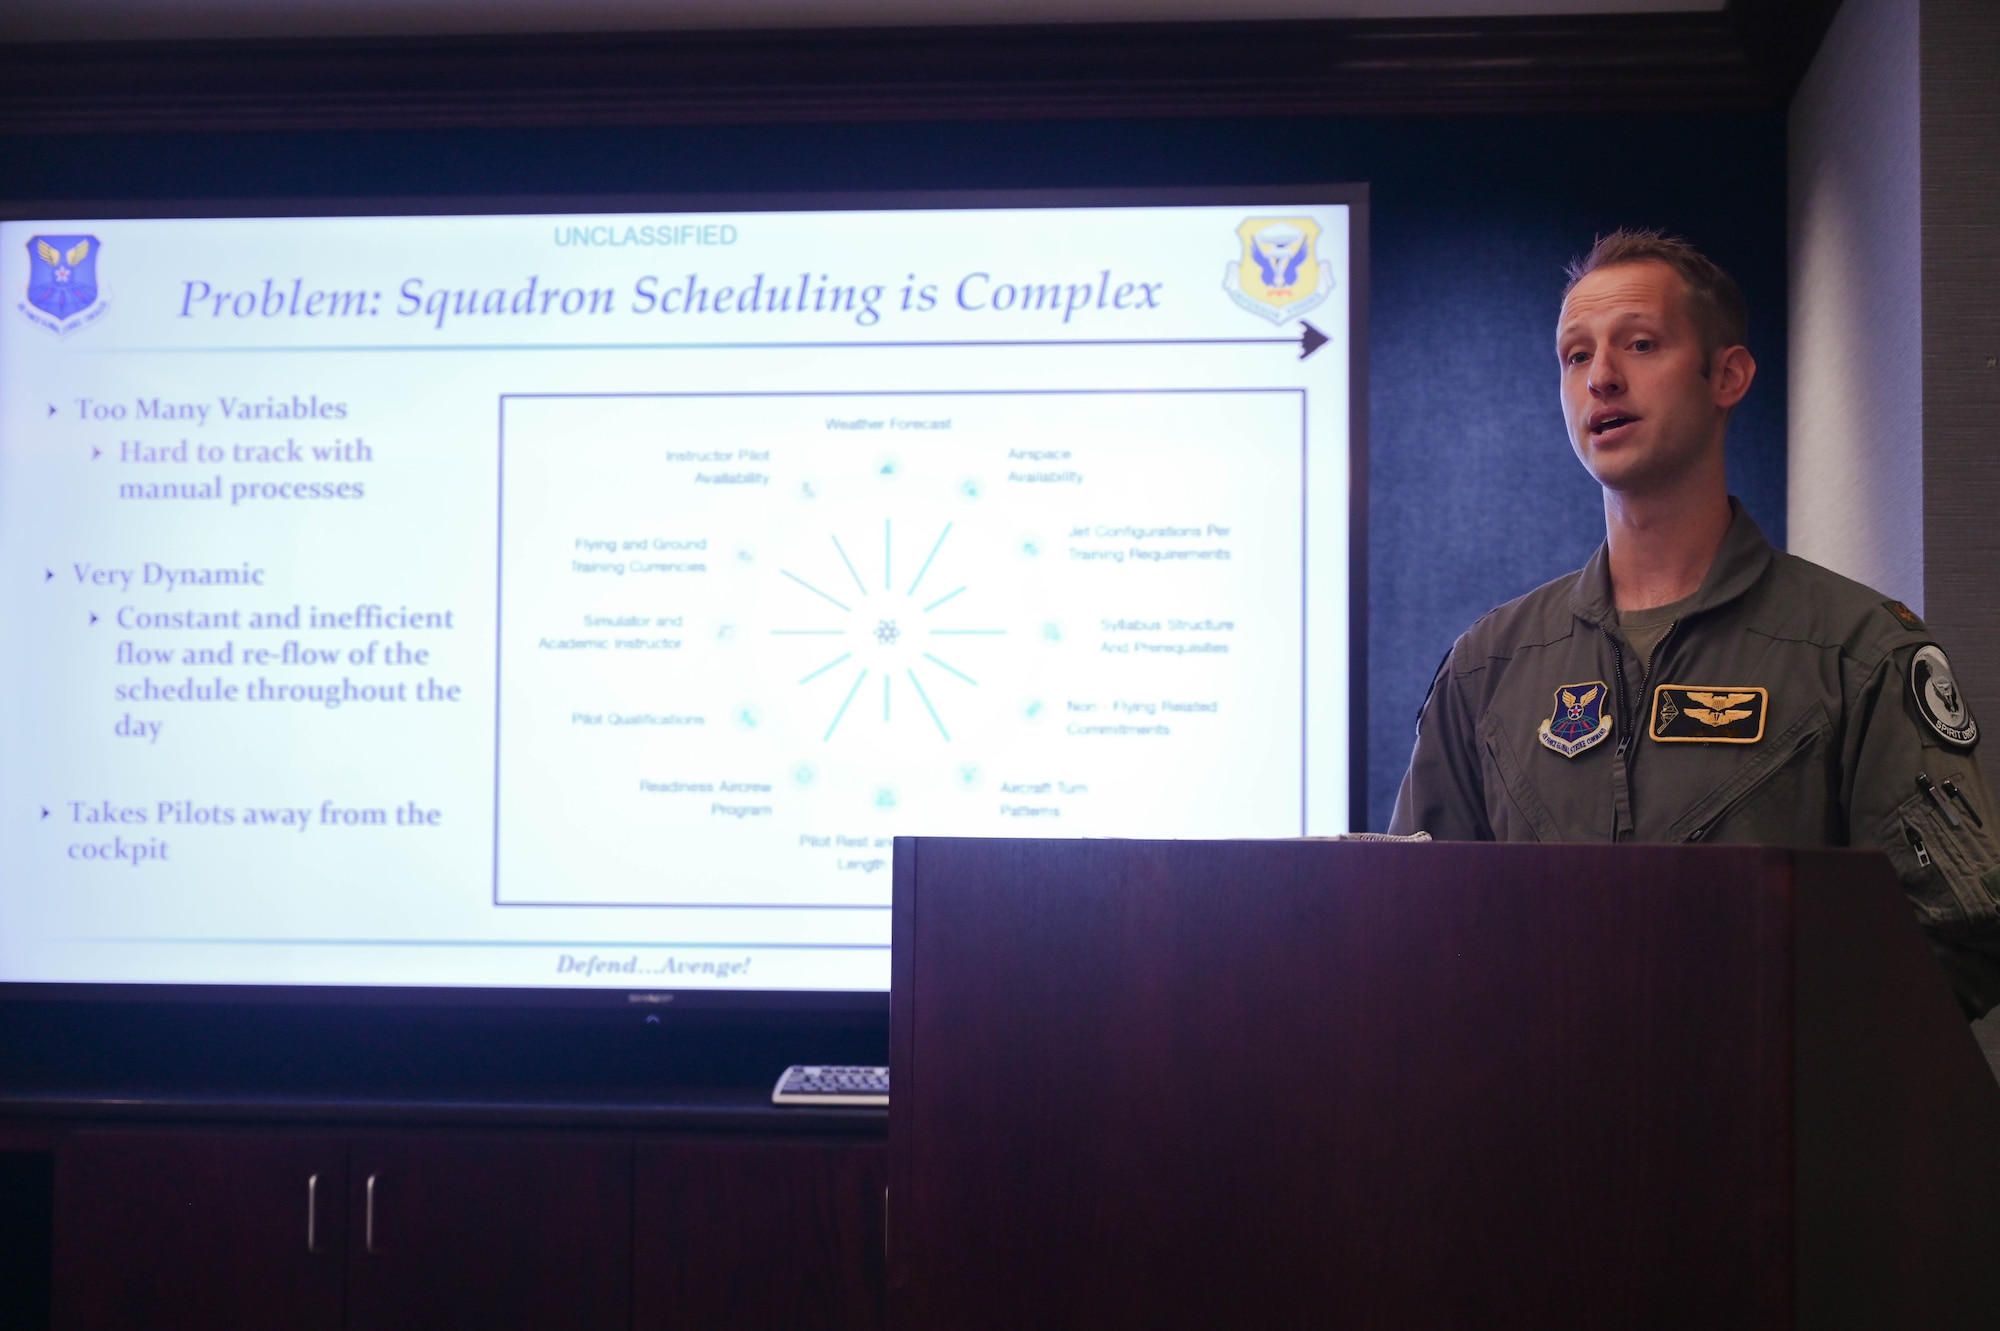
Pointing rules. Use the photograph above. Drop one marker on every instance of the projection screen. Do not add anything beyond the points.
(556, 600)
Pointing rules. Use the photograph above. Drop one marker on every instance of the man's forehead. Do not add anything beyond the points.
(1646, 287)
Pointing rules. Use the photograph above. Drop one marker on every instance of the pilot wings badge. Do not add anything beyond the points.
(1279, 274)
(63, 292)
(1709, 714)
(1579, 722)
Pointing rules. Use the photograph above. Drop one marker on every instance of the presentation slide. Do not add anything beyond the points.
(555, 601)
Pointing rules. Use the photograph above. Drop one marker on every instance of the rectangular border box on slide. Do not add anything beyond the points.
(500, 593)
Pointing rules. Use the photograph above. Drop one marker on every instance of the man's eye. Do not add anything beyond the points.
(1642, 344)
(1577, 357)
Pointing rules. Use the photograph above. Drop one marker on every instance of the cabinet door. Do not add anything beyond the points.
(759, 1236)
(27, 1218)
(209, 1230)
(489, 1233)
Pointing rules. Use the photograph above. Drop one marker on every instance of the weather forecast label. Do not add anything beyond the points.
(764, 633)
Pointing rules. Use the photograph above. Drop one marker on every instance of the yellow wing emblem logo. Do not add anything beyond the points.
(50, 255)
(1719, 709)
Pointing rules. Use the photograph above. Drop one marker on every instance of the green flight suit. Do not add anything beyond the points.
(1780, 709)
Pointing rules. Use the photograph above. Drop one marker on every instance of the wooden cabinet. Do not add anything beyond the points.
(205, 1230)
(27, 1205)
(759, 1234)
(436, 1230)
(489, 1233)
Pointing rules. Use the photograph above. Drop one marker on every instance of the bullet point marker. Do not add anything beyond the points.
(95, 452)
(93, 616)
(45, 813)
(48, 575)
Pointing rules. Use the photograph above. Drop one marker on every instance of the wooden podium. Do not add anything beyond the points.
(1300, 1084)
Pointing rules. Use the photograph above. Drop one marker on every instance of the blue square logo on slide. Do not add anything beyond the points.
(63, 290)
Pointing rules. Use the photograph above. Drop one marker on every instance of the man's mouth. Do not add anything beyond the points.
(1601, 425)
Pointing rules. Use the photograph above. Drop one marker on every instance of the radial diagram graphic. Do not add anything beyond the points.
(901, 635)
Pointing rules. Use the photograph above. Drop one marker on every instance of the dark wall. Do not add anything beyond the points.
(1474, 496)
(1959, 53)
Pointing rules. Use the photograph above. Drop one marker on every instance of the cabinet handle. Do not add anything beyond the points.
(368, 1231)
(312, 1213)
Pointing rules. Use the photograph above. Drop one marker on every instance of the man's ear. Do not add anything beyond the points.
(1729, 375)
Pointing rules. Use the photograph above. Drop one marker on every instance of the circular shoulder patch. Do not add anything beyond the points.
(1938, 700)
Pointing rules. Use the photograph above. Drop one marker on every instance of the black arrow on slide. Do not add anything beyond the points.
(52, 408)
(95, 452)
(45, 813)
(1308, 340)
(48, 575)
(93, 616)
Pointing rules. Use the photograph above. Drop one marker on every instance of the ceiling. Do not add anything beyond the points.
(79, 67)
(106, 20)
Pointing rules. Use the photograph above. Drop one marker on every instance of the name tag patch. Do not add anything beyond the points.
(1709, 713)
(1580, 720)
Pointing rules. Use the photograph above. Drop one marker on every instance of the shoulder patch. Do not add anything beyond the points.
(1904, 615)
(1709, 713)
(1943, 708)
(1579, 721)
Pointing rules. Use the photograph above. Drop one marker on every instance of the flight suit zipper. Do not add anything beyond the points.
(1624, 825)
(1618, 669)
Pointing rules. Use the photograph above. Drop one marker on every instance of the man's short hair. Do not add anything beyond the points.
(1714, 299)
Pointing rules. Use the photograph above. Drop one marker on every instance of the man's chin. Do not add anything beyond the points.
(1660, 461)
(1628, 477)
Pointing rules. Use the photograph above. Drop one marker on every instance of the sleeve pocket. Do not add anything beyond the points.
(1951, 873)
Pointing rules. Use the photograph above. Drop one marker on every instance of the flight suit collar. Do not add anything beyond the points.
(1739, 562)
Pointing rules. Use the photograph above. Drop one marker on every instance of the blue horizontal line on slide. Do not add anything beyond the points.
(1309, 340)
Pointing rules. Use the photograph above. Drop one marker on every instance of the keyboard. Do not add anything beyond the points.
(802, 1085)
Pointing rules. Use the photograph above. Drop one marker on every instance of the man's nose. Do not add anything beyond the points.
(1605, 376)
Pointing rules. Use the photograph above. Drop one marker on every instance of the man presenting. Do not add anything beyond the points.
(1691, 683)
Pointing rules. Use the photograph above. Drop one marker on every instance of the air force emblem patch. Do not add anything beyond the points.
(1938, 700)
(1580, 721)
(63, 291)
(1279, 274)
(1704, 714)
